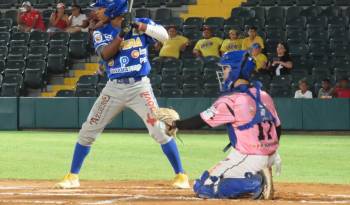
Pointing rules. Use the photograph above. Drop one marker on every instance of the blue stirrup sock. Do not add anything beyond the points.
(172, 153)
(80, 153)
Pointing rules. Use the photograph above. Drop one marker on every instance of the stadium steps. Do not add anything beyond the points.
(69, 83)
(212, 8)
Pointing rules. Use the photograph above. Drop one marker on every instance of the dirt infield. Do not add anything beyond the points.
(156, 192)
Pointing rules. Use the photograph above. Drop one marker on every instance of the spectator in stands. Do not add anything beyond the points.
(174, 45)
(326, 90)
(209, 45)
(303, 91)
(77, 21)
(59, 19)
(252, 38)
(234, 43)
(29, 19)
(343, 89)
(282, 63)
(260, 58)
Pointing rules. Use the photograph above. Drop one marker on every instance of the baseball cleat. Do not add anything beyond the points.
(69, 181)
(267, 185)
(181, 181)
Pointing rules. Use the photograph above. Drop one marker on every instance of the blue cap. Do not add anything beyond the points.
(102, 3)
(117, 8)
(242, 66)
(256, 45)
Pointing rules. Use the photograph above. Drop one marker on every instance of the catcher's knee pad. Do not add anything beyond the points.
(158, 133)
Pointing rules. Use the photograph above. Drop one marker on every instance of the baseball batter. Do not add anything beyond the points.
(253, 128)
(122, 44)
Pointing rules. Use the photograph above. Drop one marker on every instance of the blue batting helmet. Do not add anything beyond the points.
(117, 8)
(242, 65)
(102, 3)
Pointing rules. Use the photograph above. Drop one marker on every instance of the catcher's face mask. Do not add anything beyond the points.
(235, 65)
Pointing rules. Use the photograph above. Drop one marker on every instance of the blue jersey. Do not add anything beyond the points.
(132, 59)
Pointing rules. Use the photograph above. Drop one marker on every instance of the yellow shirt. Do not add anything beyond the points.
(247, 43)
(172, 47)
(209, 47)
(231, 45)
(260, 61)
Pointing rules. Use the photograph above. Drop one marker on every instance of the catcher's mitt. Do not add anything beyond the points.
(168, 116)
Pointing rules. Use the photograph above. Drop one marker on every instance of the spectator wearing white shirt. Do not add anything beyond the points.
(77, 21)
(303, 91)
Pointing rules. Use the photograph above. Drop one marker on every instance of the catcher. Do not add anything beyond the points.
(253, 127)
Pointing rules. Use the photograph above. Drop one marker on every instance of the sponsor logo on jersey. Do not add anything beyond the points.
(135, 54)
(111, 62)
(124, 60)
(131, 43)
(98, 37)
(126, 69)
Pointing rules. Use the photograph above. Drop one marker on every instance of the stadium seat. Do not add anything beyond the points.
(193, 35)
(33, 78)
(311, 11)
(275, 12)
(292, 13)
(257, 22)
(172, 64)
(5, 24)
(285, 2)
(38, 52)
(142, 13)
(275, 23)
(156, 80)
(215, 22)
(153, 3)
(284, 80)
(193, 64)
(45, 3)
(172, 79)
(271, 45)
(324, 2)
(192, 90)
(277, 90)
(340, 73)
(172, 93)
(88, 81)
(2, 67)
(298, 35)
(275, 34)
(38, 38)
(79, 45)
(56, 63)
(251, 3)
(189, 77)
(234, 23)
(300, 48)
(331, 11)
(258, 12)
(11, 14)
(267, 2)
(304, 2)
(188, 52)
(4, 38)
(10, 90)
(65, 93)
(156, 66)
(19, 39)
(18, 65)
(5, 4)
(3, 52)
(194, 22)
(240, 12)
(59, 49)
(59, 39)
(163, 13)
(264, 79)
(211, 90)
(138, 3)
(36, 64)
(85, 92)
(320, 21)
(174, 3)
(173, 21)
(341, 2)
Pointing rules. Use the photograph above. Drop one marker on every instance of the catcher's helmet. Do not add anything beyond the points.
(241, 64)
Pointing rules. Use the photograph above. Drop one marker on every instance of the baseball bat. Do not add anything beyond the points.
(131, 3)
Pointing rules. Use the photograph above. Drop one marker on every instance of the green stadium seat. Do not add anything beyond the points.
(142, 13)
(82, 92)
(56, 63)
(65, 93)
(18, 51)
(11, 14)
(258, 12)
(192, 34)
(312, 11)
(292, 13)
(192, 64)
(79, 45)
(38, 38)
(4, 38)
(88, 81)
(2, 67)
(257, 22)
(45, 3)
(211, 90)
(6, 4)
(304, 2)
(10, 90)
(276, 34)
(174, 3)
(3, 52)
(339, 73)
(59, 39)
(156, 66)
(324, 2)
(172, 93)
(194, 22)
(191, 92)
(153, 3)
(138, 3)
(172, 79)
(33, 78)
(284, 80)
(163, 13)
(174, 21)
(264, 79)
(267, 2)
(233, 23)
(275, 23)
(277, 90)
(251, 3)
(215, 22)
(38, 52)
(5, 24)
(320, 21)
(156, 80)
(285, 2)
(172, 64)
(341, 2)
(241, 12)
(275, 12)
(298, 35)
(331, 11)
(60, 49)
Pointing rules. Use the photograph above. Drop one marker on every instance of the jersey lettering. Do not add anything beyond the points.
(131, 43)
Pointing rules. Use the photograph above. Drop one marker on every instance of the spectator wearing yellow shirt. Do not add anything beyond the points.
(209, 45)
(232, 44)
(174, 45)
(260, 58)
(252, 38)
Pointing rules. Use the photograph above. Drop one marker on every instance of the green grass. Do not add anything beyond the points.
(128, 156)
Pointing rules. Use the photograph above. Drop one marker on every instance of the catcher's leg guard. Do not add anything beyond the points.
(213, 187)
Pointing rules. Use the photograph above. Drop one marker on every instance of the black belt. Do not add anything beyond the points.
(127, 80)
